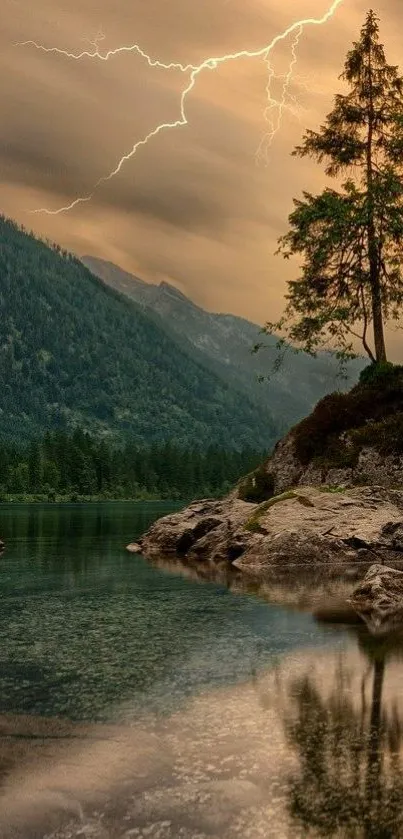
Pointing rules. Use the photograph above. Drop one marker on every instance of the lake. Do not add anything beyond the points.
(137, 701)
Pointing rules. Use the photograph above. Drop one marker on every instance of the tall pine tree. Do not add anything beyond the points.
(351, 239)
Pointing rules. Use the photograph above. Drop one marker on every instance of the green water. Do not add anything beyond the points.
(137, 702)
(91, 632)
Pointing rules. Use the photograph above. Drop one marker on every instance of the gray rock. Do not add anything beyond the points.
(189, 530)
(378, 599)
(304, 527)
(371, 468)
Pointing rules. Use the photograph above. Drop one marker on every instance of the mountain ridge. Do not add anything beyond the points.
(224, 343)
(75, 353)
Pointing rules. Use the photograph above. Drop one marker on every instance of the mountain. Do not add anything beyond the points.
(223, 343)
(75, 353)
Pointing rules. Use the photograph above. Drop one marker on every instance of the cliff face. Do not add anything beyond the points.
(364, 466)
(349, 439)
(331, 494)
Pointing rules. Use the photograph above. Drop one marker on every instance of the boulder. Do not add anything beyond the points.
(181, 533)
(378, 599)
(306, 526)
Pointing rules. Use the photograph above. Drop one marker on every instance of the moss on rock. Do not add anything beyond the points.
(253, 524)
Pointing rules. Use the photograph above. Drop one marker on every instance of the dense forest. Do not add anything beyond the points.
(77, 354)
(77, 466)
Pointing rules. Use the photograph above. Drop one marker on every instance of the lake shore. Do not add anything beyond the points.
(75, 498)
(338, 531)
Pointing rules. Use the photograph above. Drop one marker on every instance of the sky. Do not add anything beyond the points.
(196, 206)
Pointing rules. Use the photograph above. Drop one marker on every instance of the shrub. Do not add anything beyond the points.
(377, 397)
(338, 454)
(385, 436)
(257, 487)
(380, 374)
(330, 416)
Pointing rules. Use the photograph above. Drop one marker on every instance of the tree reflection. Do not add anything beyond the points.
(350, 778)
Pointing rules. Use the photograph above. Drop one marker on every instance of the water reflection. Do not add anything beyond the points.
(72, 530)
(92, 632)
(138, 703)
(348, 742)
(317, 589)
(310, 748)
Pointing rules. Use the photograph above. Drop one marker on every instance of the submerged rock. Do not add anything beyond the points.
(306, 526)
(134, 548)
(336, 610)
(378, 599)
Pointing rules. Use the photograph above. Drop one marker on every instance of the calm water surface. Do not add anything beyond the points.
(136, 701)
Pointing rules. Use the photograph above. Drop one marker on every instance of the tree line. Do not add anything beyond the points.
(79, 466)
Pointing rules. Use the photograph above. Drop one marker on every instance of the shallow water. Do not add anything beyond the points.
(136, 701)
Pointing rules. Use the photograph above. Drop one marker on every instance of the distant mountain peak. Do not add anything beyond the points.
(174, 291)
(105, 266)
(171, 293)
(78, 355)
(224, 342)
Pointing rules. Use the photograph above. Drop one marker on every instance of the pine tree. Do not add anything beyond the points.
(35, 466)
(352, 239)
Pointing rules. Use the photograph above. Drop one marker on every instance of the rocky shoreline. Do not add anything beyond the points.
(302, 527)
(352, 535)
(328, 500)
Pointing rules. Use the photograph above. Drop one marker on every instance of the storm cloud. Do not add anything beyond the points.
(192, 206)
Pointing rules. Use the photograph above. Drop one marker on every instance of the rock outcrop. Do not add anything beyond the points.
(378, 599)
(306, 526)
(330, 495)
(349, 439)
(207, 529)
(364, 466)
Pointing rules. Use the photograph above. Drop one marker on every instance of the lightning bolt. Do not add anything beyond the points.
(192, 71)
(95, 42)
(281, 105)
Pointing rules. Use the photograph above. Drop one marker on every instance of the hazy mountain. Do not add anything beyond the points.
(223, 343)
(76, 353)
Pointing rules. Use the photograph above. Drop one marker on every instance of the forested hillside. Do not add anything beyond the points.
(223, 343)
(76, 354)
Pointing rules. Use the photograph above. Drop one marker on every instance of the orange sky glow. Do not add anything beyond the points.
(195, 206)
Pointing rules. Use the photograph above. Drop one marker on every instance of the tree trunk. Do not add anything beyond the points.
(374, 267)
(377, 315)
